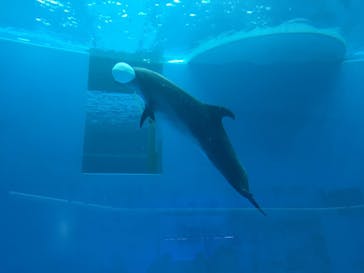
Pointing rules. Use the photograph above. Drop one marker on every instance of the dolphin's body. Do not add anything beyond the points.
(202, 121)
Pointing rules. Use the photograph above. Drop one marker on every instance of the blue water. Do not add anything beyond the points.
(299, 133)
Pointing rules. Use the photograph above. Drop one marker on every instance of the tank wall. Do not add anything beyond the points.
(298, 128)
(300, 143)
(42, 115)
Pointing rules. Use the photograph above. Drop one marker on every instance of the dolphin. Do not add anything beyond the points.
(202, 121)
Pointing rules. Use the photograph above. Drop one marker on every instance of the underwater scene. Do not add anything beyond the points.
(194, 136)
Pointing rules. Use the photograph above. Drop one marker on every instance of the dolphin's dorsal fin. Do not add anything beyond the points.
(220, 112)
(147, 113)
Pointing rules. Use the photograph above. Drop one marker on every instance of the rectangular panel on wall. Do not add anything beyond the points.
(113, 141)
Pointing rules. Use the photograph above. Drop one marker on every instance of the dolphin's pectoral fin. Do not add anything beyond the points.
(227, 113)
(221, 112)
(147, 113)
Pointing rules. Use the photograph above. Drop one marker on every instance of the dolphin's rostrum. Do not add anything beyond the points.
(202, 121)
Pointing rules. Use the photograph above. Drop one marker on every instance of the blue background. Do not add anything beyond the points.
(298, 132)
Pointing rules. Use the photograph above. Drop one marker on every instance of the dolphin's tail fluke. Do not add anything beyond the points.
(255, 204)
(250, 197)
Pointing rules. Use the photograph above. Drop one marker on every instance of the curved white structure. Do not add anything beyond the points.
(291, 42)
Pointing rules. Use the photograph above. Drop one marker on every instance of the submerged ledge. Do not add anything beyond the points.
(43, 198)
(41, 39)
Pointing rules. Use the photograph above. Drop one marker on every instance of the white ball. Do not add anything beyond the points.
(123, 72)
